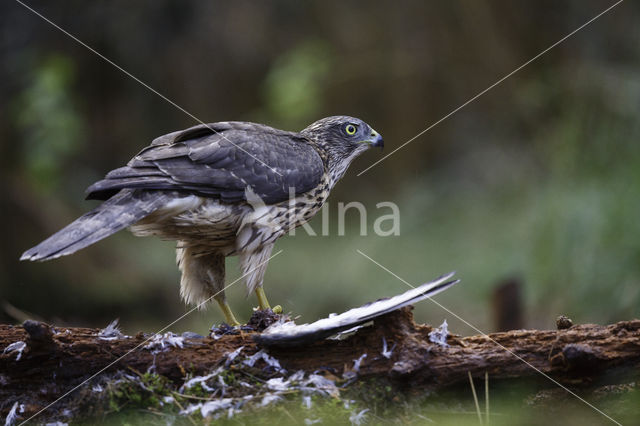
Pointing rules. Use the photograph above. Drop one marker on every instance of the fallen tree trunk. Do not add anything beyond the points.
(50, 361)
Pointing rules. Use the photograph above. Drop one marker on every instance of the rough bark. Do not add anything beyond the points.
(57, 359)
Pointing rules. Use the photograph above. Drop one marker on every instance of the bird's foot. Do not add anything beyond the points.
(228, 314)
(263, 303)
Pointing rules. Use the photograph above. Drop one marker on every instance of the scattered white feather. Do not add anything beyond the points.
(357, 362)
(232, 355)
(56, 424)
(16, 347)
(269, 399)
(320, 384)
(278, 384)
(268, 359)
(311, 421)
(358, 418)
(439, 335)
(343, 335)
(353, 373)
(201, 380)
(221, 382)
(211, 407)
(306, 402)
(297, 376)
(162, 342)
(192, 408)
(13, 415)
(111, 332)
(250, 362)
(274, 387)
(232, 412)
(385, 351)
(97, 388)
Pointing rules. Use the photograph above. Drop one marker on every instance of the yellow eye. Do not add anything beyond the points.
(350, 129)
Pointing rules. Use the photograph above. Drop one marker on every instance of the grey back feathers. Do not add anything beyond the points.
(220, 160)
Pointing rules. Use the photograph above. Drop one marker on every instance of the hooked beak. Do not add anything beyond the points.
(376, 140)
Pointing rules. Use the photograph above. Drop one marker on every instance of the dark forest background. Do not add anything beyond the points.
(536, 182)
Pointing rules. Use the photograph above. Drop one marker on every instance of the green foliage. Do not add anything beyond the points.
(294, 87)
(510, 404)
(143, 391)
(50, 124)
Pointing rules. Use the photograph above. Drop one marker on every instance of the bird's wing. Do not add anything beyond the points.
(221, 160)
(290, 334)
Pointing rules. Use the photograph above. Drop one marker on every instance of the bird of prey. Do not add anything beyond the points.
(220, 189)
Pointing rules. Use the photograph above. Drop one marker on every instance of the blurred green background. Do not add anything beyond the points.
(537, 181)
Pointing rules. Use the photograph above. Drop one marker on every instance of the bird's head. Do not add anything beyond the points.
(342, 138)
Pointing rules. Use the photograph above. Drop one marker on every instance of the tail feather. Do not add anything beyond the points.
(122, 210)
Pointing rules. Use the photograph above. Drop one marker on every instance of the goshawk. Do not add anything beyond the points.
(220, 189)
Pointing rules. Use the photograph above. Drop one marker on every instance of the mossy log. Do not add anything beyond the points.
(53, 360)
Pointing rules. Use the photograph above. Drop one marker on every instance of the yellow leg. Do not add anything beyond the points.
(264, 303)
(226, 310)
(262, 299)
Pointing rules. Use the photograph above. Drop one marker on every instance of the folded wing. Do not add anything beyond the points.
(221, 160)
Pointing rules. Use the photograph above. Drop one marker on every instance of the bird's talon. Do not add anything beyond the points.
(277, 309)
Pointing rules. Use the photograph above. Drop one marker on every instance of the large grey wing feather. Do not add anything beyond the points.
(123, 209)
(290, 334)
(221, 160)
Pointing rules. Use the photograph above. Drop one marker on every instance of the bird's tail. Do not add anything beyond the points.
(123, 209)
